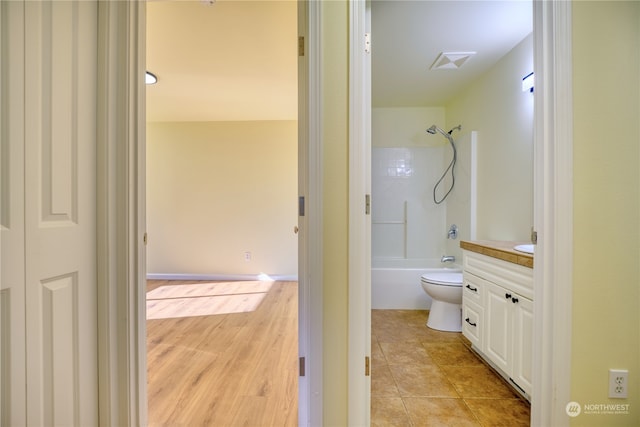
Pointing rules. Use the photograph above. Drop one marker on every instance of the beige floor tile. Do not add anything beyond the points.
(405, 353)
(412, 387)
(377, 356)
(394, 333)
(451, 354)
(382, 382)
(500, 412)
(388, 412)
(477, 381)
(439, 412)
(422, 380)
(426, 334)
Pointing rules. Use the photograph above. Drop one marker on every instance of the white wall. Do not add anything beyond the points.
(496, 107)
(216, 190)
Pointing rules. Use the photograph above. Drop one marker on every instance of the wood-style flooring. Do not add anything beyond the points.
(238, 368)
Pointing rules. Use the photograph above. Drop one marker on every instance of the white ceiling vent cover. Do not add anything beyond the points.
(451, 60)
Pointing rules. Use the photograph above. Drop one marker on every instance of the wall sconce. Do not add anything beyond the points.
(150, 78)
(527, 83)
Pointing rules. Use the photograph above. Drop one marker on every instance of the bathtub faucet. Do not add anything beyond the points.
(447, 258)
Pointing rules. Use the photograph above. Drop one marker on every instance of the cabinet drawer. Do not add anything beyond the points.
(512, 276)
(473, 288)
(472, 315)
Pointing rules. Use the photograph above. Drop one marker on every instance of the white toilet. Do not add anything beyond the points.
(445, 289)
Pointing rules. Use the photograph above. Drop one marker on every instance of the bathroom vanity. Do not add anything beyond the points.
(497, 308)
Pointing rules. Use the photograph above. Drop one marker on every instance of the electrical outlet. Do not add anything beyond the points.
(618, 383)
(247, 256)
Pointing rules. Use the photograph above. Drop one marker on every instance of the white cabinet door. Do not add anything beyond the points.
(522, 343)
(498, 328)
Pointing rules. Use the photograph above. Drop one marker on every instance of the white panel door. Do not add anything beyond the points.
(53, 239)
(12, 292)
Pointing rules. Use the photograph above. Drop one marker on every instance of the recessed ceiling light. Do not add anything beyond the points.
(451, 60)
(150, 78)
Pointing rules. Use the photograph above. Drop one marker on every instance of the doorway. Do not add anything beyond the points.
(420, 85)
(222, 169)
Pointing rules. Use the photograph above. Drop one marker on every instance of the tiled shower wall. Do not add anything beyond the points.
(406, 223)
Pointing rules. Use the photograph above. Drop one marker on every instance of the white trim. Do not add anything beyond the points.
(359, 341)
(229, 277)
(120, 222)
(553, 216)
(310, 307)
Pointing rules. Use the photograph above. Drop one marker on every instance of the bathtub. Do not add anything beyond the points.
(395, 283)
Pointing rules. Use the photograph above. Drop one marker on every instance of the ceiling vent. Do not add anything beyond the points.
(451, 60)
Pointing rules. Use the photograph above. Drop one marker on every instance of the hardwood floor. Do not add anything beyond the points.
(233, 369)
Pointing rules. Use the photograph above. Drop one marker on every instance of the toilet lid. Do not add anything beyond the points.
(446, 279)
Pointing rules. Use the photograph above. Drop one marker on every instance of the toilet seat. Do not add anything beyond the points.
(443, 279)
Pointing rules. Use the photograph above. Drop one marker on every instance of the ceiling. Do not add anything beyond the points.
(237, 59)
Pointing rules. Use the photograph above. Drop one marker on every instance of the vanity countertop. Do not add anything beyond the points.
(499, 249)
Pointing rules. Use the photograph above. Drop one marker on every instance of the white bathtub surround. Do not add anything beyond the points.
(405, 221)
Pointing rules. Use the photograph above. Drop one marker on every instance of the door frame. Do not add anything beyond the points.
(553, 215)
(359, 318)
(121, 218)
(553, 212)
(310, 261)
(122, 215)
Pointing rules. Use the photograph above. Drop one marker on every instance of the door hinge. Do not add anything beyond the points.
(301, 206)
(367, 42)
(367, 366)
(144, 239)
(534, 236)
(301, 367)
(301, 46)
(367, 204)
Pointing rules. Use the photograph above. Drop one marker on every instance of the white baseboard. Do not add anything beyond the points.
(229, 277)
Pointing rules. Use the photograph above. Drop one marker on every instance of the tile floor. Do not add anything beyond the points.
(423, 377)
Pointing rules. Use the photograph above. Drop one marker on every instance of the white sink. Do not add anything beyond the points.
(528, 249)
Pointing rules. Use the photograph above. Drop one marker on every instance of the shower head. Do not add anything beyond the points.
(433, 129)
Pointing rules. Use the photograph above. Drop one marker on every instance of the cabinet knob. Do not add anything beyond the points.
(514, 300)
(472, 288)
(507, 296)
(469, 322)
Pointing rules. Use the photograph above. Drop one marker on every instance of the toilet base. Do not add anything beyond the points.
(444, 316)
